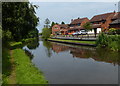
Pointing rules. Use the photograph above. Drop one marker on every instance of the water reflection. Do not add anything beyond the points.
(97, 54)
(70, 64)
(48, 49)
(33, 44)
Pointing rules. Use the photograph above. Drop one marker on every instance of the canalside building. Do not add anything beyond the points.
(60, 29)
(115, 21)
(77, 24)
(99, 23)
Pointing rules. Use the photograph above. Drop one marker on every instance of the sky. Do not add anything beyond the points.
(65, 11)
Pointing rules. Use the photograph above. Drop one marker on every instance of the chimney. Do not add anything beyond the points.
(71, 20)
(114, 11)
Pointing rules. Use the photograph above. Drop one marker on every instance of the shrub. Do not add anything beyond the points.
(110, 41)
(46, 33)
(102, 40)
(112, 31)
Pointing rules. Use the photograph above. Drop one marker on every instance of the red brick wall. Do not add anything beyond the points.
(106, 24)
(55, 30)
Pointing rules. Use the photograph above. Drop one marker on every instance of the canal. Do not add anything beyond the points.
(70, 64)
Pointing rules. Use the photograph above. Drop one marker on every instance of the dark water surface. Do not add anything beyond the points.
(69, 64)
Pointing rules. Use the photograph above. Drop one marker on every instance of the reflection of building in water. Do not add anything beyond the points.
(88, 52)
(80, 53)
(59, 48)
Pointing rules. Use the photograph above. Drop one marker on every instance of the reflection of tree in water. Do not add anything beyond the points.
(97, 54)
(33, 44)
(48, 46)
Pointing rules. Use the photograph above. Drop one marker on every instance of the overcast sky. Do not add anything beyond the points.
(65, 11)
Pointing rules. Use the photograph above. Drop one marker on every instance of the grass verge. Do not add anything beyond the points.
(26, 73)
(6, 65)
(74, 41)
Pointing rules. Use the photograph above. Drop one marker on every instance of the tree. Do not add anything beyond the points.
(47, 22)
(62, 22)
(46, 33)
(53, 23)
(19, 19)
(87, 26)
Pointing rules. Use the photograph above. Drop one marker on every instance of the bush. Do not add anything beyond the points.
(102, 40)
(110, 41)
(112, 31)
(46, 33)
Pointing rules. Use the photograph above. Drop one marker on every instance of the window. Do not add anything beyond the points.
(56, 28)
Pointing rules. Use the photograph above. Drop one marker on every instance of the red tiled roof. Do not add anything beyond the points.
(117, 15)
(77, 21)
(63, 26)
(101, 17)
(77, 27)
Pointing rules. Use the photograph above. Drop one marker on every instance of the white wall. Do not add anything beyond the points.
(92, 32)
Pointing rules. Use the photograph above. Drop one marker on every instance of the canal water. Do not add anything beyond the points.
(70, 64)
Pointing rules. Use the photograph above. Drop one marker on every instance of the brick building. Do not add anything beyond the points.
(100, 23)
(60, 29)
(77, 24)
(115, 21)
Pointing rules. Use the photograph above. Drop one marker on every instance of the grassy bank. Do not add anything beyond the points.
(6, 65)
(17, 67)
(75, 41)
(26, 73)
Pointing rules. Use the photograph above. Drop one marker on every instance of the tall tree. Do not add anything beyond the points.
(19, 18)
(47, 22)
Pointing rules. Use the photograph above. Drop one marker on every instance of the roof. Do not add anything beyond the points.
(63, 25)
(117, 15)
(101, 17)
(79, 20)
(117, 21)
(76, 28)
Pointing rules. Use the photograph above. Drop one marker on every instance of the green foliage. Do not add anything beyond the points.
(110, 41)
(39, 33)
(33, 33)
(33, 44)
(19, 19)
(112, 31)
(46, 33)
(62, 22)
(6, 35)
(6, 67)
(88, 26)
(53, 23)
(26, 73)
(75, 41)
(102, 40)
(15, 44)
